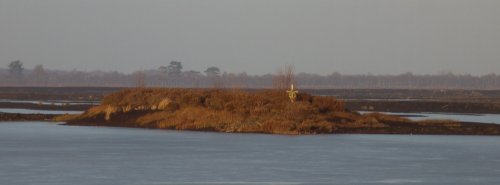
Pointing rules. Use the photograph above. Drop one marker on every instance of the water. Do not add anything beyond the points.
(478, 118)
(32, 111)
(54, 102)
(50, 154)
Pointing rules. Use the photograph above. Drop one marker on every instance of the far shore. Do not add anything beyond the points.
(27, 117)
(413, 106)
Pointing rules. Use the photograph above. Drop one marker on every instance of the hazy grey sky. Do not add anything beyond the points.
(256, 36)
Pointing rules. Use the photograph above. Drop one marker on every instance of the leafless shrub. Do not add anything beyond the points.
(284, 77)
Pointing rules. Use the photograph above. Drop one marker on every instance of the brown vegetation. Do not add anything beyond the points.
(257, 112)
(65, 117)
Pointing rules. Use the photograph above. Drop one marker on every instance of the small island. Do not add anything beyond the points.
(265, 111)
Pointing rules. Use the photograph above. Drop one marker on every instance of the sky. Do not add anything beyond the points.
(255, 36)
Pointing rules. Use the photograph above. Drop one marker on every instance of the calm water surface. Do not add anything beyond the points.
(52, 102)
(32, 111)
(478, 118)
(50, 154)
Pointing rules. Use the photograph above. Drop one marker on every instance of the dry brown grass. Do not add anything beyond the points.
(66, 117)
(237, 111)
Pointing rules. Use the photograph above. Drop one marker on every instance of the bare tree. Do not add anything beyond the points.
(285, 77)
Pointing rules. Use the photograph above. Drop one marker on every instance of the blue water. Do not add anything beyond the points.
(49, 154)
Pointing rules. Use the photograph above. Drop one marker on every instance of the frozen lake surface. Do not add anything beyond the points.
(46, 153)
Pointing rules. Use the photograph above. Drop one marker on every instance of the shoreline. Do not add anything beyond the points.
(424, 106)
(419, 107)
(437, 130)
(392, 131)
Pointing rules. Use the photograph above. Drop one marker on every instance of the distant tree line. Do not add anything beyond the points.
(174, 75)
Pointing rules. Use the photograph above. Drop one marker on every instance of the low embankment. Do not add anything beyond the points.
(26, 117)
(266, 111)
(417, 106)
